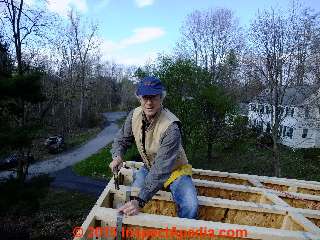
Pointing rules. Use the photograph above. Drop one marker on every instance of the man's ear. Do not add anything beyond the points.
(138, 97)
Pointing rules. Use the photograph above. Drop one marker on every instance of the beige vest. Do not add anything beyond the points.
(153, 135)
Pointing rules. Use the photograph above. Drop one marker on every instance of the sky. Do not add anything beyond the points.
(133, 32)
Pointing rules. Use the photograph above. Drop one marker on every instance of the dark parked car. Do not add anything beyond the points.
(55, 144)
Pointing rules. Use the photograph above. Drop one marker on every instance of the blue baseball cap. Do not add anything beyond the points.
(149, 86)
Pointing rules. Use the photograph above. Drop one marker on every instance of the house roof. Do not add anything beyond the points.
(295, 95)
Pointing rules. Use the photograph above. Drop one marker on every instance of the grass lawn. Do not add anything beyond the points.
(97, 164)
(246, 157)
(242, 157)
(36, 210)
(120, 122)
(41, 212)
(82, 137)
(73, 140)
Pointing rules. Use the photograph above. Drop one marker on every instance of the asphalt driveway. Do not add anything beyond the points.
(60, 168)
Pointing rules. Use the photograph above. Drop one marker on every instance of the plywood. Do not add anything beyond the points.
(222, 179)
(228, 211)
(309, 191)
(107, 216)
(228, 194)
(248, 193)
(221, 214)
(280, 184)
(315, 221)
(276, 186)
(265, 207)
(302, 203)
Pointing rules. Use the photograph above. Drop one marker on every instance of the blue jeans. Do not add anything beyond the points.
(182, 189)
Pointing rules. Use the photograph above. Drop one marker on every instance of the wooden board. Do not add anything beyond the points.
(281, 184)
(261, 207)
(258, 194)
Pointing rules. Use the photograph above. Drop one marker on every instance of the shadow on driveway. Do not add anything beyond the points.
(67, 179)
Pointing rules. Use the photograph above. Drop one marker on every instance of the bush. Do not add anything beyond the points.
(311, 153)
(94, 120)
(23, 199)
(97, 164)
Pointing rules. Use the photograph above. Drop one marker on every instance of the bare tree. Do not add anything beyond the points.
(76, 56)
(209, 37)
(84, 43)
(213, 40)
(22, 23)
(313, 60)
(280, 42)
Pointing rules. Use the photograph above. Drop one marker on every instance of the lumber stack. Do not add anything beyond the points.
(235, 206)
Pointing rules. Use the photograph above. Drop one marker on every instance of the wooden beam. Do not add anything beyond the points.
(241, 188)
(109, 216)
(313, 185)
(292, 189)
(89, 221)
(304, 222)
(255, 182)
(293, 216)
(232, 204)
(275, 199)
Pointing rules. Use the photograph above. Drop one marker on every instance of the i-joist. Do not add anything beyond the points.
(266, 207)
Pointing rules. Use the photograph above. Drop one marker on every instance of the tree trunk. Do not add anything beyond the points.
(81, 109)
(276, 159)
(209, 151)
(210, 135)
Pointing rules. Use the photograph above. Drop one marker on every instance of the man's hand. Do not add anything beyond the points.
(116, 164)
(130, 208)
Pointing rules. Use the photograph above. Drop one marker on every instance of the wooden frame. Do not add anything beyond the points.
(270, 217)
(283, 184)
(257, 193)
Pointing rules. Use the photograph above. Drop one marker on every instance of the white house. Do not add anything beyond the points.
(300, 116)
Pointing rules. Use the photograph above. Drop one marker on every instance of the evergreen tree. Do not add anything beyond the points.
(18, 124)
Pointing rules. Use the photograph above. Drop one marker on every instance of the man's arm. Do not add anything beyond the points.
(163, 163)
(123, 139)
(121, 143)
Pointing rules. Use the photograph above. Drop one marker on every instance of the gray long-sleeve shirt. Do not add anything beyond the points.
(163, 163)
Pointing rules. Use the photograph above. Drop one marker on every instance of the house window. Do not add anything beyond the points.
(268, 130)
(292, 112)
(306, 112)
(261, 109)
(304, 133)
(280, 131)
(267, 110)
(284, 131)
(290, 132)
(253, 108)
(287, 111)
(280, 111)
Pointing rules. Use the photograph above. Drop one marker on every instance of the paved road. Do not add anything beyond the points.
(64, 160)
(67, 179)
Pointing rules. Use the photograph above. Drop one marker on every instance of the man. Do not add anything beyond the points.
(156, 132)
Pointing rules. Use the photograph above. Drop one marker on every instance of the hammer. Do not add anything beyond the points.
(116, 177)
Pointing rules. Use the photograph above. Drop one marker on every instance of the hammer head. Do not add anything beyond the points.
(116, 177)
(116, 180)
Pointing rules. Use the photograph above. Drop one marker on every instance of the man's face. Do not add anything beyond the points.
(150, 104)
